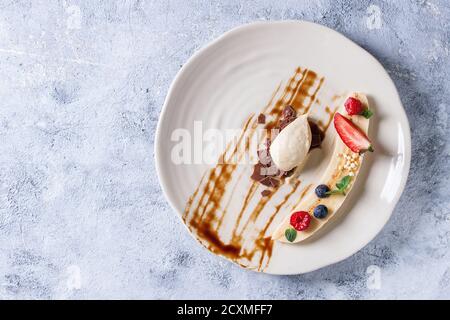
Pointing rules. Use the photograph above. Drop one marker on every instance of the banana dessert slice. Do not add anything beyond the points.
(351, 123)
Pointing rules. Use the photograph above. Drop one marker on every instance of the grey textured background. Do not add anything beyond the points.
(81, 211)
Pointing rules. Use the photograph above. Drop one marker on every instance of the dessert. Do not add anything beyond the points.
(285, 152)
(339, 177)
(237, 217)
(290, 147)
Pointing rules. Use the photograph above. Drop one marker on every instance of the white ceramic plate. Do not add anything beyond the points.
(236, 75)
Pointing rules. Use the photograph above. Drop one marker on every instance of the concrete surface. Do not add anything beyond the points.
(81, 211)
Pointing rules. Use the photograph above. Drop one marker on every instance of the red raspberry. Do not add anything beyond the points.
(300, 220)
(353, 106)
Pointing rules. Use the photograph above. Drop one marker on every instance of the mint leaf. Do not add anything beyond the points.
(367, 113)
(290, 234)
(341, 186)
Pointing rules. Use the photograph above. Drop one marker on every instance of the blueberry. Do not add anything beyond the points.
(320, 211)
(321, 191)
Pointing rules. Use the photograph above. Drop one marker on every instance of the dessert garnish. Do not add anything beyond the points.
(341, 186)
(351, 135)
(317, 135)
(300, 220)
(261, 118)
(287, 116)
(322, 191)
(354, 106)
(290, 234)
(281, 158)
(351, 163)
(320, 211)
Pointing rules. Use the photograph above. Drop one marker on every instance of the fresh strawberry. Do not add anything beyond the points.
(354, 106)
(351, 135)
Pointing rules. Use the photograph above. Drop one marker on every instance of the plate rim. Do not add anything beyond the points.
(242, 28)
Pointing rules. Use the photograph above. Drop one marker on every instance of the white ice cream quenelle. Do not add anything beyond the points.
(290, 147)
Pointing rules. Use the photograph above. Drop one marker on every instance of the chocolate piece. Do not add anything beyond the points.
(264, 157)
(287, 116)
(316, 135)
(271, 170)
(289, 112)
(286, 174)
(256, 175)
(266, 193)
(283, 123)
(270, 182)
(316, 141)
(268, 143)
(261, 118)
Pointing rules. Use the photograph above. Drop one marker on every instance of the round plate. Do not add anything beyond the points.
(236, 76)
